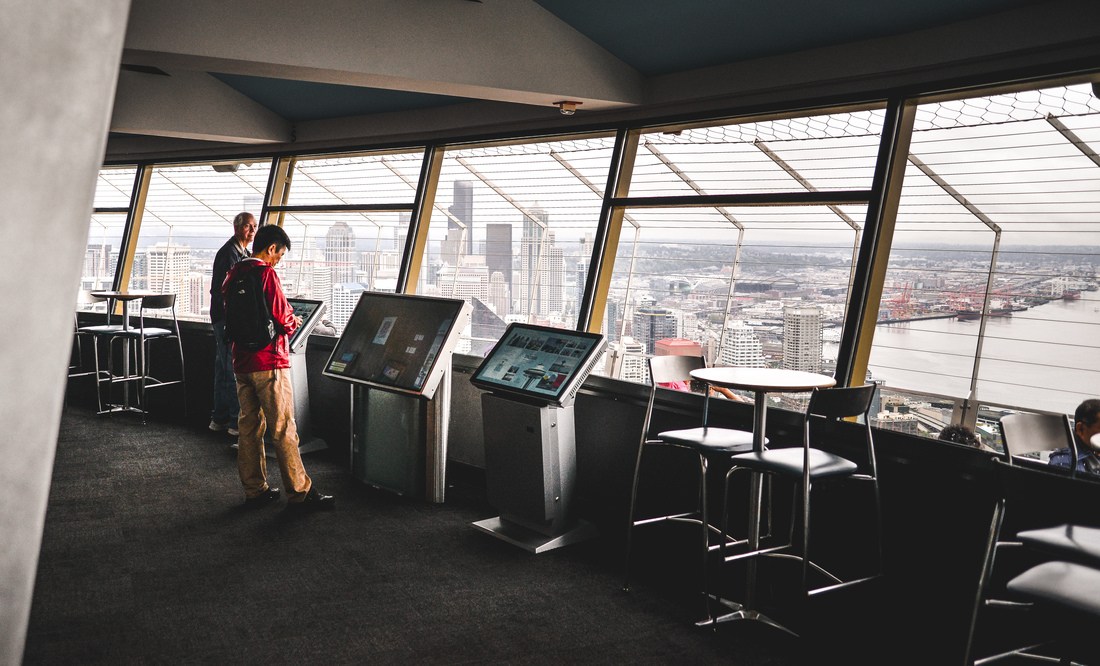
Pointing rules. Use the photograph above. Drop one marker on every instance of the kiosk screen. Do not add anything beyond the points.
(539, 362)
(310, 311)
(395, 339)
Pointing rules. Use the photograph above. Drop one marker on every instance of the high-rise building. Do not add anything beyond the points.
(167, 269)
(340, 252)
(345, 296)
(532, 257)
(631, 360)
(651, 324)
(741, 347)
(498, 250)
(460, 227)
(499, 297)
(906, 423)
(554, 303)
(802, 338)
(199, 287)
(612, 322)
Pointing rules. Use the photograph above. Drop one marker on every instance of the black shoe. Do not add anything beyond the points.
(263, 499)
(314, 501)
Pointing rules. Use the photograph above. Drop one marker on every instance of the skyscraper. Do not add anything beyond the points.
(532, 257)
(345, 297)
(741, 347)
(651, 324)
(462, 226)
(498, 250)
(554, 303)
(802, 338)
(340, 252)
(499, 297)
(168, 267)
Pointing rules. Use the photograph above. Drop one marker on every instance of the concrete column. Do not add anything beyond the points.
(58, 68)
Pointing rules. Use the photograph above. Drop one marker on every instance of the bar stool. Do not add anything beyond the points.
(808, 464)
(704, 441)
(143, 336)
(1031, 518)
(94, 332)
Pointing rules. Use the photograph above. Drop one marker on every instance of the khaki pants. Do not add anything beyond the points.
(267, 397)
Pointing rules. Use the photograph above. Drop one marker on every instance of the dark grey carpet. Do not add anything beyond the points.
(147, 557)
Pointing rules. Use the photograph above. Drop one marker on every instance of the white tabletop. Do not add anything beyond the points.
(127, 295)
(763, 379)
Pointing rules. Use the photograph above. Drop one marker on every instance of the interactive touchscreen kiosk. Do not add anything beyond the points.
(396, 353)
(545, 365)
(310, 311)
(532, 377)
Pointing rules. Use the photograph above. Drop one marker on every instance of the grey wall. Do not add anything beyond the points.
(58, 67)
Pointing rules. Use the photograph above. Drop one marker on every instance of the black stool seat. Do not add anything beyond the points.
(101, 329)
(1062, 584)
(718, 440)
(788, 462)
(1071, 542)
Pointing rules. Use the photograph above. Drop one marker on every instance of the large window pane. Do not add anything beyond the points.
(113, 191)
(759, 286)
(339, 254)
(992, 276)
(511, 231)
(188, 216)
(335, 257)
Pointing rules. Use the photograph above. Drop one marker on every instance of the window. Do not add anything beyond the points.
(189, 215)
(512, 231)
(112, 202)
(990, 298)
(348, 217)
(752, 285)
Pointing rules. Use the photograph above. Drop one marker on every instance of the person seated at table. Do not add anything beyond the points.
(960, 434)
(685, 385)
(1086, 424)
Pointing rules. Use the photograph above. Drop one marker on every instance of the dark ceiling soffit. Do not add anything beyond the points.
(1006, 76)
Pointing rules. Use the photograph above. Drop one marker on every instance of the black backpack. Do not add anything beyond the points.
(248, 320)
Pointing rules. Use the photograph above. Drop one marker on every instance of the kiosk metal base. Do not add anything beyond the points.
(534, 541)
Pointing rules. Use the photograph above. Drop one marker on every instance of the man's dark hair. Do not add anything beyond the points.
(268, 234)
(959, 434)
(1087, 412)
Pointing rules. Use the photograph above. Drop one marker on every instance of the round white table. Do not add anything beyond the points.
(760, 381)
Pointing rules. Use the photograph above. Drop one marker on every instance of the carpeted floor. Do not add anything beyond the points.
(147, 557)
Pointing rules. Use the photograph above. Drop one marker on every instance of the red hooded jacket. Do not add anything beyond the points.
(277, 354)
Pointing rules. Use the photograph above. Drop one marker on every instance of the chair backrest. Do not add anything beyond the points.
(841, 403)
(158, 302)
(664, 369)
(1030, 433)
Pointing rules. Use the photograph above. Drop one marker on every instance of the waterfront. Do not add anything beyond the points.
(1046, 357)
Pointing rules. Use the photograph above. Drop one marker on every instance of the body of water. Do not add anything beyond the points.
(1046, 357)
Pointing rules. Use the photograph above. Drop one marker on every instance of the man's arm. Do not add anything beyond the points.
(281, 311)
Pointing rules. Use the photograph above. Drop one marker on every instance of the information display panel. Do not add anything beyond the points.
(395, 341)
(539, 363)
(310, 311)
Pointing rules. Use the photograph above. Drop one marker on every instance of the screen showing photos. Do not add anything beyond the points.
(394, 339)
(538, 362)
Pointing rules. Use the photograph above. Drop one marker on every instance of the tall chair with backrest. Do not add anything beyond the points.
(143, 336)
(1028, 494)
(1024, 433)
(704, 441)
(95, 332)
(810, 463)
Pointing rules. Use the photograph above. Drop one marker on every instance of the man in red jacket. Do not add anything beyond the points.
(265, 392)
